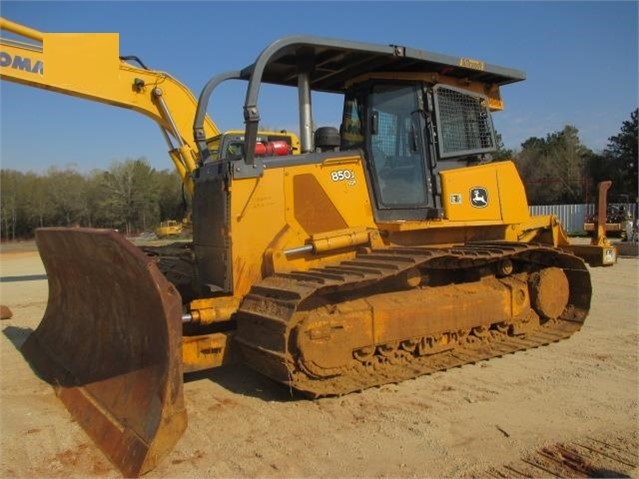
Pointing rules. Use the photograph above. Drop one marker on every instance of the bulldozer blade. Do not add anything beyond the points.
(110, 344)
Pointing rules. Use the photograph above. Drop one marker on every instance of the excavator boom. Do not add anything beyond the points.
(89, 66)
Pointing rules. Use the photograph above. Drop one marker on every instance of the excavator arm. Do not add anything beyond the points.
(89, 66)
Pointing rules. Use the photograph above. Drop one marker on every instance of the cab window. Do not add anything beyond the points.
(396, 146)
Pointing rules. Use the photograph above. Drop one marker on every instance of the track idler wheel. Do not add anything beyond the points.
(549, 292)
(110, 344)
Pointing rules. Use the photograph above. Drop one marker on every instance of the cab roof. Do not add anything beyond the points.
(332, 63)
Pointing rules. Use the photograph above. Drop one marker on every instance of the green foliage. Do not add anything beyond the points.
(172, 199)
(130, 196)
(502, 153)
(10, 198)
(65, 194)
(618, 162)
(559, 169)
(552, 168)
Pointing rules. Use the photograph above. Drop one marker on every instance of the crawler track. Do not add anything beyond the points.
(390, 315)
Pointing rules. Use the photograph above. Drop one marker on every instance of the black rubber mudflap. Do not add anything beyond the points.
(110, 344)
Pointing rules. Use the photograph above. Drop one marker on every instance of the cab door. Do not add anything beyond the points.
(393, 138)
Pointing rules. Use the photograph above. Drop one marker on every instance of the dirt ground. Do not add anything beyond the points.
(473, 421)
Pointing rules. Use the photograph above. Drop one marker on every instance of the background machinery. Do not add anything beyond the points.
(50, 61)
(171, 228)
(387, 249)
(616, 218)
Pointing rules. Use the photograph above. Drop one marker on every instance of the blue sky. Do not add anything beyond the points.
(580, 59)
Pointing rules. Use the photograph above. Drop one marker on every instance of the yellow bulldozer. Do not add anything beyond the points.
(390, 247)
(169, 229)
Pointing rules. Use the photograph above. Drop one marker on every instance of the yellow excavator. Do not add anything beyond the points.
(106, 77)
(388, 248)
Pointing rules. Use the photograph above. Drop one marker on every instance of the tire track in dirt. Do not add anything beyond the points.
(612, 456)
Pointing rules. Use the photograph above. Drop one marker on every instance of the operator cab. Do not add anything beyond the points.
(409, 113)
(405, 128)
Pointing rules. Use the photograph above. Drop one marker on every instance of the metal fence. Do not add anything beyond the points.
(572, 216)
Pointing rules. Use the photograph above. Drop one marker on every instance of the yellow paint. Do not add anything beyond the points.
(265, 221)
(505, 200)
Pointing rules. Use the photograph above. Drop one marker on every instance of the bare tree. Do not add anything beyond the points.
(129, 199)
(9, 200)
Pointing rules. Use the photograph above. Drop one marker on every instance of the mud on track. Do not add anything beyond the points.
(491, 419)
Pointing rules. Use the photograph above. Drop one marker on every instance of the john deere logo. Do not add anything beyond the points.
(478, 197)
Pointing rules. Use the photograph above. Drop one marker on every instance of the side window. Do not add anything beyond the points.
(397, 158)
(351, 131)
(234, 150)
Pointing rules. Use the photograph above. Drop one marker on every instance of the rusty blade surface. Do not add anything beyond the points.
(110, 344)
